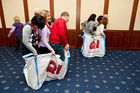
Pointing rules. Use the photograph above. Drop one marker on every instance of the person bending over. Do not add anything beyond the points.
(30, 35)
(45, 35)
(57, 38)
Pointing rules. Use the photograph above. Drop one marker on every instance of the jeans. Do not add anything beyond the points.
(58, 50)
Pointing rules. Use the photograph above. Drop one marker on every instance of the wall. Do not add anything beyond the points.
(68, 6)
(11, 9)
(119, 14)
(137, 21)
(41, 4)
(94, 6)
(123, 30)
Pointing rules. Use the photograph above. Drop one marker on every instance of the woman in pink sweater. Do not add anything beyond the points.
(45, 35)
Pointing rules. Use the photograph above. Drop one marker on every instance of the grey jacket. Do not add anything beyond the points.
(88, 27)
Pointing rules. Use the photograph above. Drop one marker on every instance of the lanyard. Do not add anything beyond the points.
(48, 27)
(36, 31)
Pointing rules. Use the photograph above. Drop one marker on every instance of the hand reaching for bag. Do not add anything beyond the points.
(53, 52)
(67, 47)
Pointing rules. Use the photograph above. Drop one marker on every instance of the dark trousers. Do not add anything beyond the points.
(27, 51)
(43, 50)
(58, 50)
(19, 42)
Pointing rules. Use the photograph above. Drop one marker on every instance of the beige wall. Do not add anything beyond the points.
(70, 7)
(119, 14)
(11, 9)
(41, 4)
(137, 21)
(91, 6)
(0, 23)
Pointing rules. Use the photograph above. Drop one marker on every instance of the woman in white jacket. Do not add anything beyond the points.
(101, 27)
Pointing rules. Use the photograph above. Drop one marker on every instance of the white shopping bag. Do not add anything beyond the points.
(57, 68)
(93, 46)
(44, 68)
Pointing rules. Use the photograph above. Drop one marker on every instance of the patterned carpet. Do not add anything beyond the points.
(117, 72)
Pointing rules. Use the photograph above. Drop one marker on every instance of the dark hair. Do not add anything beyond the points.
(103, 21)
(39, 21)
(52, 20)
(92, 17)
(99, 18)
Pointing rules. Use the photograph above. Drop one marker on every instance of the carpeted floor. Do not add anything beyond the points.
(117, 72)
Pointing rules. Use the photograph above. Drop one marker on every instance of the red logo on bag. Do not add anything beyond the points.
(92, 45)
(52, 67)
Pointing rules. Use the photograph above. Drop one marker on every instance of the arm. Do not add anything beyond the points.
(44, 39)
(26, 36)
(11, 31)
(102, 30)
(62, 28)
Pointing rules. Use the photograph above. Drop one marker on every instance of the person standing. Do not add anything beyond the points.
(101, 27)
(17, 27)
(58, 39)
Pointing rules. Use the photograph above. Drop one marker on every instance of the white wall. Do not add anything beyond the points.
(89, 7)
(11, 9)
(119, 14)
(137, 20)
(68, 6)
(41, 4)
(0, 23)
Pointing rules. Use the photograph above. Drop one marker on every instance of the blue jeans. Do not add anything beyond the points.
(58, 50)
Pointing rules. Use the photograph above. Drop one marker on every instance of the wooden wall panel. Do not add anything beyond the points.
(117, 39)
(106, 5)
(52, 8)
(2, 42)
(2, 15)
(2, 33)
(12, 39)
(0, 23)
(73, 38)
(137, 20)
(26, 11)
(135, 40)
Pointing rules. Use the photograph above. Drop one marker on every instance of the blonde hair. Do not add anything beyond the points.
(37, 11)
(16, 18)
(105, 16)
(44, 13)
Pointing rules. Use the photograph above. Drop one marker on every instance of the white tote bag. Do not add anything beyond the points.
(93, 46)
(39, 69)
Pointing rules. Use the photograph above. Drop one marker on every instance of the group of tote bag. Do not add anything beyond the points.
(46, 67)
